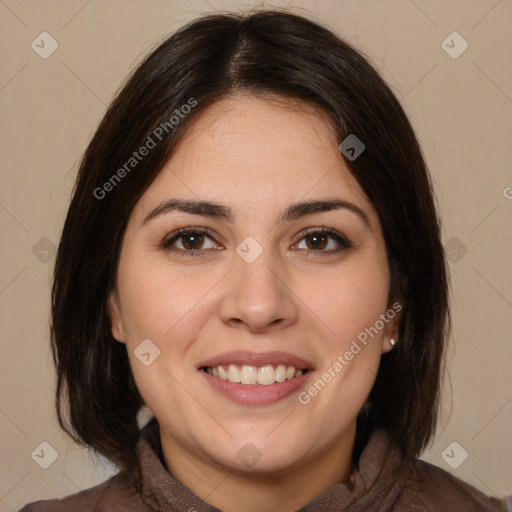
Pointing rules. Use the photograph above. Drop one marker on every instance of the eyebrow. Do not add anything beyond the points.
(217, 211)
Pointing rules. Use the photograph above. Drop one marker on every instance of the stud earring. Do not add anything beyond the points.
(392, 342)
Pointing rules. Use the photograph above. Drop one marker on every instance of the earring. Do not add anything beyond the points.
(392, 342)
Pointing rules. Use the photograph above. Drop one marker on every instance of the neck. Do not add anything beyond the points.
(286, 490)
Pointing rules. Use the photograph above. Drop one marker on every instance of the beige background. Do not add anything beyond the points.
(461, 109)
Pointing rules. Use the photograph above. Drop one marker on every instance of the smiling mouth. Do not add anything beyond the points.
(254, 375)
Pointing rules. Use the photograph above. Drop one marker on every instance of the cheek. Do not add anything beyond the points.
(348, 302)
(158, 300)
(168, 306)
(348, 308)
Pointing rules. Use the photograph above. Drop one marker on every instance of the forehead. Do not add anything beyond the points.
(252, 152)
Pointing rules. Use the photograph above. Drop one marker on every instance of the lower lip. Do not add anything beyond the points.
(256, 394)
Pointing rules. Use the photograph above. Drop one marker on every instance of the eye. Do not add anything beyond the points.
(195, 241)
(323, 240)
(191, 241)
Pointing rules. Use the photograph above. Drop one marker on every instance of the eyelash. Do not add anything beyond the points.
(338, 237)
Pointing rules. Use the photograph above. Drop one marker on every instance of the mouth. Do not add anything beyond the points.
(252, 375)
(250, 378)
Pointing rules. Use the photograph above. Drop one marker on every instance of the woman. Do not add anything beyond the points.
(252, 253)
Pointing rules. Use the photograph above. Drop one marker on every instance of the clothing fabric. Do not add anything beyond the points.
(382, 482)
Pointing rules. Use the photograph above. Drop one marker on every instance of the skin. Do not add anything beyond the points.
(256, 156)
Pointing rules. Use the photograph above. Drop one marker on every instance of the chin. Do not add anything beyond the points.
(259, 454)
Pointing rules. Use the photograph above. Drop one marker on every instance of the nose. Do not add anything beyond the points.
(257, 298)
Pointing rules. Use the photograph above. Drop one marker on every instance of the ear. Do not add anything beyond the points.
(114, 313)
(393, 316)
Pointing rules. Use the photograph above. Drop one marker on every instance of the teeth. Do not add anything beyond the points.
(234, 373)
(264, 375)
(248, 374)
(280, 373)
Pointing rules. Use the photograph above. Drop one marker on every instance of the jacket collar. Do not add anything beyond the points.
(377, 481)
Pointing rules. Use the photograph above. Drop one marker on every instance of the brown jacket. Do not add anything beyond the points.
(383, 482)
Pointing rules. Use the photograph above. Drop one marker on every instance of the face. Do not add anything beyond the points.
(255, 256)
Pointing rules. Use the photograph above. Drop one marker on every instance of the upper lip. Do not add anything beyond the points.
(258, 359)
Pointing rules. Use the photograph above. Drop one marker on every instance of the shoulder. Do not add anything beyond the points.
(430, 488)
(110, 496)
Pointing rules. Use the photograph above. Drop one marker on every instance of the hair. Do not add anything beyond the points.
(268, 54)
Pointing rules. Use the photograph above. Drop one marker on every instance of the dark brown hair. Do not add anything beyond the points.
(263, 53)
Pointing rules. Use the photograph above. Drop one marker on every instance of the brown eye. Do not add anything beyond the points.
(192, 241)
(323, 241)
(316, 241)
